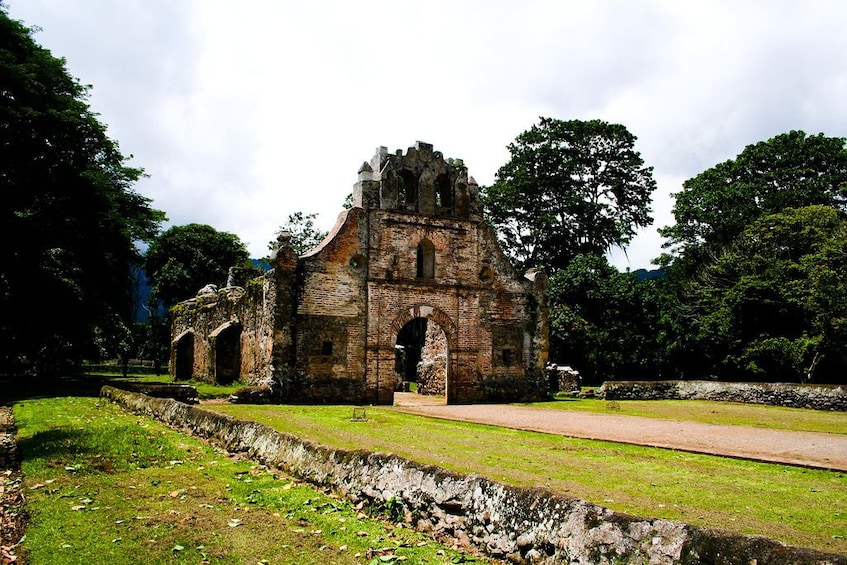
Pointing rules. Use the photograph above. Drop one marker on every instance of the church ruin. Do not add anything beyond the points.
(409, 286)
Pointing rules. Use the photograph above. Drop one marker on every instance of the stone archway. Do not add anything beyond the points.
(421, 357)
(423, 343)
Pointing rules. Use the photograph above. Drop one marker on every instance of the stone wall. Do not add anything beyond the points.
(522, 525)
(563, 378)
(817, 397)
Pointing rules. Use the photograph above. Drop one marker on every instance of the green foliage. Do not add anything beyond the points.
(184, 259)
(570, 187)
(602, 321)
(791, 170)
(66, 276)
(774, 305)
(304, 235)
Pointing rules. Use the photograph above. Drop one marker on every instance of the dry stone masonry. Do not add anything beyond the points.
(817, 397)
(411, 276)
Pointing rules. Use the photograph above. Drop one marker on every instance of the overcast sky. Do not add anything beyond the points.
(244, 112)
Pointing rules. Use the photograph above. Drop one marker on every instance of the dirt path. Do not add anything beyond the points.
(808, 449)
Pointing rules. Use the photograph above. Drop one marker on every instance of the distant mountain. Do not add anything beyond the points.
(645, 275)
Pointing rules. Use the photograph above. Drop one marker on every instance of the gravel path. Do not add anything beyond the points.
(808, 449)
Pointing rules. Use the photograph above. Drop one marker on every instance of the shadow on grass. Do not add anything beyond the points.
(20, 388)
(58, 444)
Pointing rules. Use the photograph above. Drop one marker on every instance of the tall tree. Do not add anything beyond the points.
(183, 259)
(70, 216)
(773, 306)
(603, 321)
(569, 188)
(791, 170)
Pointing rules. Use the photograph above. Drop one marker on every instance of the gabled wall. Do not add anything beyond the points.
(324, 327)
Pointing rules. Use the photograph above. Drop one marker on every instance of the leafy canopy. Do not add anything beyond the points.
(569, 188)
(602, 321)
(183, 259)
(774, 305)
(71, 217)
(791, 170)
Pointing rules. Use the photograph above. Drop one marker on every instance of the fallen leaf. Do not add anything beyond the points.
(234, 522)
(78, 507)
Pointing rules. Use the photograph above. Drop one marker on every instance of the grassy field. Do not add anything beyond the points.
(107, 487)
(797, 506)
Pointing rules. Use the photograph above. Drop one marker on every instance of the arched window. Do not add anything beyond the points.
(426, 260)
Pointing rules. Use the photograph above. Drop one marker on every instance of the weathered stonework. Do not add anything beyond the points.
(520, 525)
(817, 397)
(324, 327)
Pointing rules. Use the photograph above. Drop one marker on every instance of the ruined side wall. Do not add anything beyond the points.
(523, 525)
(250, 308)
(330, 317)
(818, 397)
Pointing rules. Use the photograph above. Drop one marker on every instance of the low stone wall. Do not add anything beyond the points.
(183, 393)
(817, 397)
(522, 525)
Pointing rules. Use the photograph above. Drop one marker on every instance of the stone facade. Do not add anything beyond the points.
(324, 327)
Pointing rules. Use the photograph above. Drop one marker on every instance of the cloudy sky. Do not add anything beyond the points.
(244, 112)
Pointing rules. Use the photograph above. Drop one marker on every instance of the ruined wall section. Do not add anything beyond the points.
(330, 317)
(258, 314)
(237, 309)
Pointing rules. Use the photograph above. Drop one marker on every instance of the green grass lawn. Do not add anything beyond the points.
(107, 487)
(730, 413)
(798, 506)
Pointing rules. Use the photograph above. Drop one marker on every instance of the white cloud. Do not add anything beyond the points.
(244, 113)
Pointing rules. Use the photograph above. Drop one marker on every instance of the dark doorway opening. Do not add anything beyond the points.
(184, 357)
(228, 355)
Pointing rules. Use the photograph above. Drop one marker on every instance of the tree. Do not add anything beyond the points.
(773, 306)
(791, 170)
(569, 188)
(183, 259)
(603, 321)
(70, 215)
(304, 235)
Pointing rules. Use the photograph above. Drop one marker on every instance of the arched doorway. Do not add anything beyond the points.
(421, 359)
(184, 357)
(226, 353)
